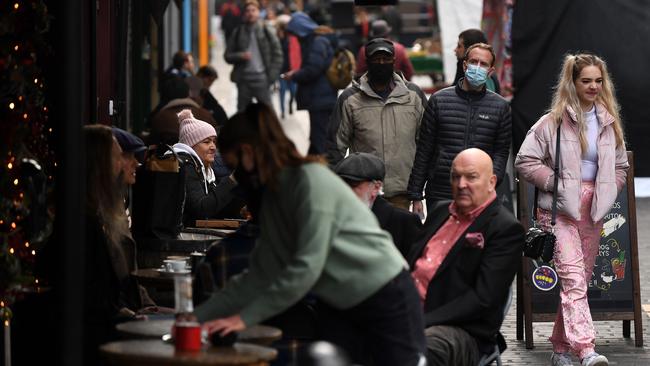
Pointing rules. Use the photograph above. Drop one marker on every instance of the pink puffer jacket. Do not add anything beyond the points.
(536, 158)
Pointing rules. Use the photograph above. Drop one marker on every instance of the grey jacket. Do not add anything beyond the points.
(388, 129)
(269, 45)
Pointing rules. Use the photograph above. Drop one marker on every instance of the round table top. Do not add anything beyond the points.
(156, 352)
(257, 334)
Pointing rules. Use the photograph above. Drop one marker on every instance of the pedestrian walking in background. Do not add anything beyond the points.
(594, 165)
(381, 29)
(231, 14)
(466, 39)
(182, 66)
(380, 114)
(291, 62)
(208, 75)
(457, 118)
(315, 93)
(255, 51)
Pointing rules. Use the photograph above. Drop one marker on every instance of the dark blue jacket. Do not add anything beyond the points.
(314, 90)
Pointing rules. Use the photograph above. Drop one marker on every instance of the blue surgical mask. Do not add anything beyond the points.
(475, 75)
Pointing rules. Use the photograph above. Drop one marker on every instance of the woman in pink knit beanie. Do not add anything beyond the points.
(205, 196)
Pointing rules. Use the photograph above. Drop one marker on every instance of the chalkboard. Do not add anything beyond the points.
(609, 289)
(614, 287)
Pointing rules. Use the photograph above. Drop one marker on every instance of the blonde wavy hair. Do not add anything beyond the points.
(566, 96)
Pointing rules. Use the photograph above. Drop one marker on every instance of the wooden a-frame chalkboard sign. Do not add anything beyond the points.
(614, 289)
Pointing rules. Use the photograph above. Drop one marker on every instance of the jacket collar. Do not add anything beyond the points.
(478, 225)
(604, 118)
(469, 94)
(400, 90)
(431, 227)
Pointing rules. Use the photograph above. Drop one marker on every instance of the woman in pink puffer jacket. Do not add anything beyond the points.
(593, 168)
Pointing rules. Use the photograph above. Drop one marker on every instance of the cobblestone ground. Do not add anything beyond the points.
(609, 338)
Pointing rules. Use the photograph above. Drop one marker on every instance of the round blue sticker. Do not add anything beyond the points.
(544, 278)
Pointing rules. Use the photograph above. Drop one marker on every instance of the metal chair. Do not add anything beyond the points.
(495, 355)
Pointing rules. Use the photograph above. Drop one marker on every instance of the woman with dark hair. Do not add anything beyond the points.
(316, 236)
(593, 165)
(111, 294)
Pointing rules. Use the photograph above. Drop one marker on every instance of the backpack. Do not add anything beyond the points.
(341, 69)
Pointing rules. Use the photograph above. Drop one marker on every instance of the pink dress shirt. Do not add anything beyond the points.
(441, 243)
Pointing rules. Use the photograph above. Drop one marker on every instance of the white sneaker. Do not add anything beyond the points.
(594, 359)
(561, 359)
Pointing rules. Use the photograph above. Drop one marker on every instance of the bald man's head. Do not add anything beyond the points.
(472, 179)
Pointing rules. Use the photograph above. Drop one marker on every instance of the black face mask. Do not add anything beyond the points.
(380, 73)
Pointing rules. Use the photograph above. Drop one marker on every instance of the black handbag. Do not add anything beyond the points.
(540, 244)
(159, 195)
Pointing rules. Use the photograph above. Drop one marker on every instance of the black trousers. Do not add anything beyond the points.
(448, 345)
(385, 329)
(319, 121)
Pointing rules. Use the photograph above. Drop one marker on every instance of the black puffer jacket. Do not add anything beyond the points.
(455, 120)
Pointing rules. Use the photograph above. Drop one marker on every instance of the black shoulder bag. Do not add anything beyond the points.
(540, 244)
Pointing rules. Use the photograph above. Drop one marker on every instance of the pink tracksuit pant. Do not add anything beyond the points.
(574, 258)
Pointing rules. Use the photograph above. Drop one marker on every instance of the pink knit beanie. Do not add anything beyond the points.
(193, 130)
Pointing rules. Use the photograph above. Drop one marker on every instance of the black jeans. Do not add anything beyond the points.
(385, 329)
(319, 121)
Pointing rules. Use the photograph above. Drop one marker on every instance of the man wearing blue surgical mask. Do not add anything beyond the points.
(459, 117)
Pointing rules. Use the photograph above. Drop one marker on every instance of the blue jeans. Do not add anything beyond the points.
(286, 85)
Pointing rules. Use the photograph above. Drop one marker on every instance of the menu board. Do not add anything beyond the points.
(610, 287)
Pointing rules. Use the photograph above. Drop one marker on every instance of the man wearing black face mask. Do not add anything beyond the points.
(380, 114)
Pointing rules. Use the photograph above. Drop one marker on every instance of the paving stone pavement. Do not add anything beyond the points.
(609, 334)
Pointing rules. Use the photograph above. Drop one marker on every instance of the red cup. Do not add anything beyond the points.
(187, 336)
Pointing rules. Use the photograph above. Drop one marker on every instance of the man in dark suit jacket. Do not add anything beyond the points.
(464, 264)
(364, 173)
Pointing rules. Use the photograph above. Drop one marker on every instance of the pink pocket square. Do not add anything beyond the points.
(475, 240)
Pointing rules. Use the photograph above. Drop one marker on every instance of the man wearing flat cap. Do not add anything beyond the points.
(364, 173)
(381, 29)
(380, 114)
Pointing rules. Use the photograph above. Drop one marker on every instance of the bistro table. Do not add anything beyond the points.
(153, 352)
(258, 334)
(152, 277)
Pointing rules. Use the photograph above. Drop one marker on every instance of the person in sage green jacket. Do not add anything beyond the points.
(315, 237)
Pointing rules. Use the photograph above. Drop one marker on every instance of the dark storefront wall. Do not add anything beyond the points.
(617, 30)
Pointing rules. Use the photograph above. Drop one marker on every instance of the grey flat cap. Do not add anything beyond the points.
(360, 166)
